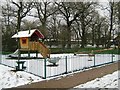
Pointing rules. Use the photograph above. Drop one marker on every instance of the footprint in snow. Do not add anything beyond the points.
(8, 79)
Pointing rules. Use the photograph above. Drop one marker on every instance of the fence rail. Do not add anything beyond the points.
(67, 64)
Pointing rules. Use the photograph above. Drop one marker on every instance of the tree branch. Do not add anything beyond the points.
(28, 9)
(16, 4)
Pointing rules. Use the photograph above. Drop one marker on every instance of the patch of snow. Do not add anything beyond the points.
(107, 81)
(27, 33)
(9, 78)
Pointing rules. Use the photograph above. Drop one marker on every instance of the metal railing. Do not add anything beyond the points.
(67, 64)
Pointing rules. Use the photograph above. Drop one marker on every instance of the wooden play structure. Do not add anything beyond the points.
(32, 41)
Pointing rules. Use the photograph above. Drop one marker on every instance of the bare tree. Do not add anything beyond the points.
(63, 35)
(118, 8)
(117, 14)
(53, 29)
(22, 10)
(84, 20)
(7, 27)
(67, 10)
(111, 11)
(44, 11)
(29, 24)
(13, 12)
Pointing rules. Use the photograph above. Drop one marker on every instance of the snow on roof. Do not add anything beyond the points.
(26, 33)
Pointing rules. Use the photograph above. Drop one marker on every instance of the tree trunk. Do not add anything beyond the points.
(83, 38)
(18, 21)
(19, 17)
(111, 24)
(69, 36)
(93, 35)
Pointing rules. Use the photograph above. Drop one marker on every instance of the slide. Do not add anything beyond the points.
(39, 46)
(15, 54)
(45, 52)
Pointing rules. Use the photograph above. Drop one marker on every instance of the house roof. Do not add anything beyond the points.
(28, 33)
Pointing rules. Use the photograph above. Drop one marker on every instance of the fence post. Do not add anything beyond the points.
(45, 68)
(0, 57)
(112, 57)
(0, 46)
(94, 60)
(66, 64)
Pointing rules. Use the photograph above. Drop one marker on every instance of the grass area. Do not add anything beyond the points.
(73, 50)
(85, 50)
(5, 53)
(96, 51)
(79, 50)
(60, 50)
(114, 51)
(88, 50)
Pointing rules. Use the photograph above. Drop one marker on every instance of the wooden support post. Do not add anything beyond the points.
(28, 53)
(29, 48)
(19, 53)
(36, 54)
(18, 49)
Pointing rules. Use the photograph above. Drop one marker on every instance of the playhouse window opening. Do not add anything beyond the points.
(24, 40)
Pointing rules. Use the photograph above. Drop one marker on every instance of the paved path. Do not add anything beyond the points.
(76, 79)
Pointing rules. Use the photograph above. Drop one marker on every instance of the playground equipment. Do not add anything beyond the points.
(30, 41)
(53, 60)
(14, 54)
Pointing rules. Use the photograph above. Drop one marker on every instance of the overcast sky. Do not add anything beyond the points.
(102, 2)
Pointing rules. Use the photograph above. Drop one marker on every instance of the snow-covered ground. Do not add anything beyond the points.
(10, 78)
(107, 81)
(80, 61)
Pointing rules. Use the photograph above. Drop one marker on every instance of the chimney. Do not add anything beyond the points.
(29, 30)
